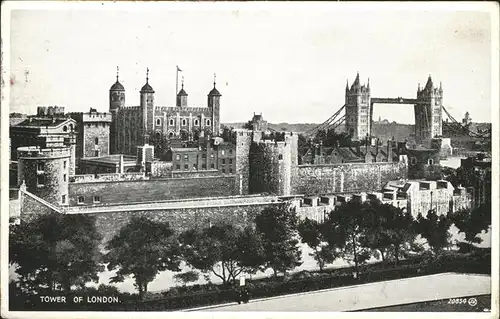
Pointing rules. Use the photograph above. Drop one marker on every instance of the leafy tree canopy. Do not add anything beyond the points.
(142, 249)
(277, 226)
(54, 252)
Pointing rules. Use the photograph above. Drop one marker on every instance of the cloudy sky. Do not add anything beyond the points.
(290, 62)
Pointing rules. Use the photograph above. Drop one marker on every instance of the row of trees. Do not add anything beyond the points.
(61, 252)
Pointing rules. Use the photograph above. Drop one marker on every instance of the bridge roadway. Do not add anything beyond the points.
(373, 295)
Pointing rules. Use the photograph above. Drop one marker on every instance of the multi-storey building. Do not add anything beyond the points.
(132, 124)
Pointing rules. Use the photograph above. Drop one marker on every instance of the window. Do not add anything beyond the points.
(186, 157)
(223, 170)
(203, 155)
(195, 166)
(196, 122)
(178, 167)
(178, 157)
(230, 152)
(71, 127)
(223, 152)
(40, 166)
(170, 134)
(63, 199)
(64, 177)
(184, 123)
(158, 122)
(186, 166)
(65, 128)
(230, 170)
(171, 122)
(41, 180)
(64, 164)
(413, 160)
(280, 156)
(430, 161)
(230, 161)
(208, 122)
(212, 155)
(96, 141)
(81, 200)
(212, 165)
(96, 153)
(204, 166)
(97, 199)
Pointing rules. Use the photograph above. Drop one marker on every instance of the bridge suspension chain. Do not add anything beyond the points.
(453, 120)
(332, 120)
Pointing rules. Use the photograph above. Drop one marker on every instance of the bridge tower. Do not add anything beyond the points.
(358, 110)
(428, 111)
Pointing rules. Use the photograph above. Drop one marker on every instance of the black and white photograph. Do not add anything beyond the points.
(249, 158)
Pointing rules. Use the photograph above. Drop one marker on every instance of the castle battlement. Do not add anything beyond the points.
(50, 110)
(35, 151)
(96, 117)
(193, 109)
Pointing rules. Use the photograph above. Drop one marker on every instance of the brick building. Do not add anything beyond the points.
(49, 128)
(93, 133)
(475, 174)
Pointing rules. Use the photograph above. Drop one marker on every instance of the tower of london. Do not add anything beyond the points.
(131, 125)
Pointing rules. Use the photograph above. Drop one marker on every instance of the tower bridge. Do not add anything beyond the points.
(359, 105)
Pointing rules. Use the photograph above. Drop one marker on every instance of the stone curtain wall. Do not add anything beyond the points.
(154, 189)
(109, 224)
(352, 177)
(31, 208)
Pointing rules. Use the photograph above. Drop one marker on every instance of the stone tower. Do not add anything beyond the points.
(428, 112)
(45, 172)
(116, 101)
(214, 106)
(147, 106)
(357, 108)
(182, 97)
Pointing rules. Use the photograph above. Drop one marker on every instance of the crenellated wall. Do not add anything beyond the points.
(352, 177)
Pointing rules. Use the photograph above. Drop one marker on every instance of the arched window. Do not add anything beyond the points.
(71, 127)
(414, 160)
(171, 122)
(96, 141)
(208, 122)
(158, 122)
(171, 134)
(184, 122)
(430, 161)
(158, 135)
(65, 128)
(196, 122)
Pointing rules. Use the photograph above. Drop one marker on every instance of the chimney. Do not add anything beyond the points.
(121, 164)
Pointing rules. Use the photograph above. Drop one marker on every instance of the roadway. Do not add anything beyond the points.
(373, 295)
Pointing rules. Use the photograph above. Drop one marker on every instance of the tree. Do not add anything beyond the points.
(219, 249)
(345, 227)
(388, 229)
(143, 248)
(54, 252)
(277, 226)
(435, 229)
(472, 222)
(186, 277)
(161, 144)
(312, 234)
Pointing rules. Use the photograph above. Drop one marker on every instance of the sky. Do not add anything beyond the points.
(288, 62)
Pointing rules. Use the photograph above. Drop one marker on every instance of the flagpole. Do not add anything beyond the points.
(176, 82)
